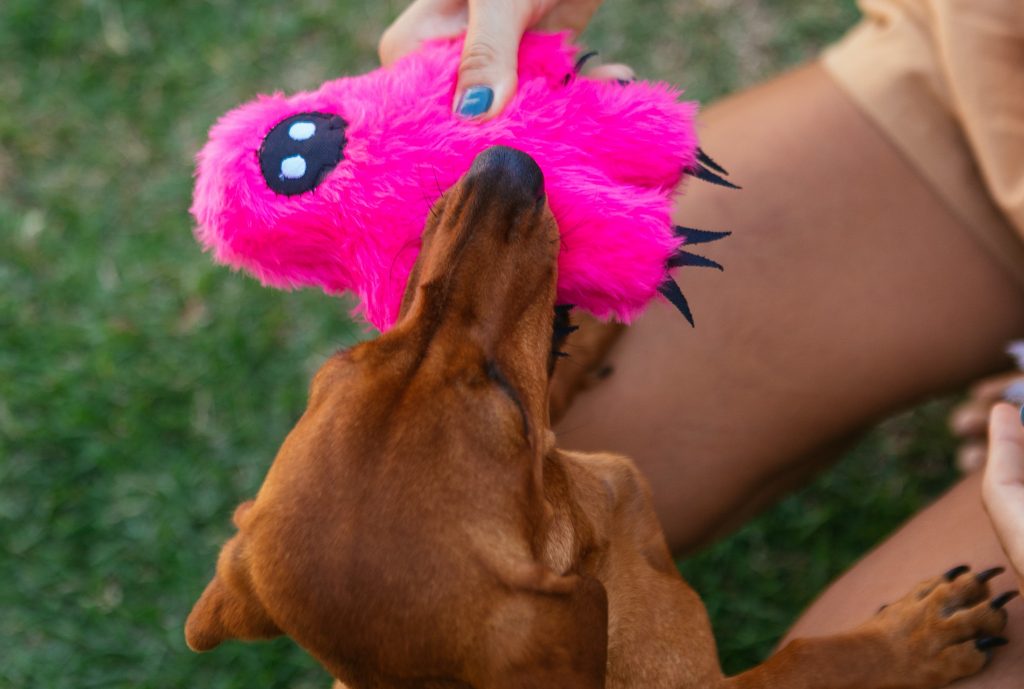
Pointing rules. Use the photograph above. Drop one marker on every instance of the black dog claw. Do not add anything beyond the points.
(1002, 599)
(987, 643)
(982, 577)
(956, 572)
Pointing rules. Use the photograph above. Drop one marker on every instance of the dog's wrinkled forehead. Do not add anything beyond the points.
(301, 150)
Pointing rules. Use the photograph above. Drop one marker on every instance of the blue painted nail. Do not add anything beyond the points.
(1022, 415)
(475, 101)
(1016, 350)
(1014, 392)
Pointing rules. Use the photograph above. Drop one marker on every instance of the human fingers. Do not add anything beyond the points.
(971, 456)
(421, 21)
(494, 28)
(969, 419)
(612, 72)
(971, 416)
(1003, 484)
(488, 66)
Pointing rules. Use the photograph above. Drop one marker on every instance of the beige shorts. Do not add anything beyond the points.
(944, 79)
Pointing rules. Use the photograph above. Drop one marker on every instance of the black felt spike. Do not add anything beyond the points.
(583, 59)
(695, 236)
(670, 290)
(709, 161)
(706, 175)
(561, 328)
(684, 258)
(561, 333)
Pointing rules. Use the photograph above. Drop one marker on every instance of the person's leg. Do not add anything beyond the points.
(849, 290)
(953, 531)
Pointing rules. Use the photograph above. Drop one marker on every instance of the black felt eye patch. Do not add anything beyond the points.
(299, 151)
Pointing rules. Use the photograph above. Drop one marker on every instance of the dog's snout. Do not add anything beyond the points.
(510, 166)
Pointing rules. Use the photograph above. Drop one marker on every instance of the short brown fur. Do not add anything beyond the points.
(419, 528)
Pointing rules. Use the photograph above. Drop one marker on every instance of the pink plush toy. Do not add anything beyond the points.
(332, 187)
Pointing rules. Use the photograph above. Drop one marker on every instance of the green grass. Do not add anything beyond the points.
(143, 390)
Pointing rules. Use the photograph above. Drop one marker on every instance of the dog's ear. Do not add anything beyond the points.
(239, 518)
(228, 608)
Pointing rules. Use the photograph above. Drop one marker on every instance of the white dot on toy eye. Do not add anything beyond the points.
(293, 167)
(300, 131)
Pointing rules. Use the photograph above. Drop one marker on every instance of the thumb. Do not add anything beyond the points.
(1003, 483)
(1006, 444)
(487, 70)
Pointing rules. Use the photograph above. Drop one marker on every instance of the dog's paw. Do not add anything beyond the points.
(946, 628)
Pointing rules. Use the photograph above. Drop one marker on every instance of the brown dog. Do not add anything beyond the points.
(419, 528)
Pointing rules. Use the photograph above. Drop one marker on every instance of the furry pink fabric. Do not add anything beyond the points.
(612, 157)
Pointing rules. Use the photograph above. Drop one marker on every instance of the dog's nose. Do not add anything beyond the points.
(511, 166)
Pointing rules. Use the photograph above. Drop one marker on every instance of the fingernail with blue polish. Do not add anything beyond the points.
(1022, 415)
(475, 101)
(1014, 392)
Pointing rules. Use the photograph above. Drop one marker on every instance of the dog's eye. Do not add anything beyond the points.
(300, 151)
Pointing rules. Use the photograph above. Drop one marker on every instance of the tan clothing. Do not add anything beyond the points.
(944, 79)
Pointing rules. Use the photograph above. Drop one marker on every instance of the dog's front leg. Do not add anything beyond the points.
(940, 632)
(587, 350)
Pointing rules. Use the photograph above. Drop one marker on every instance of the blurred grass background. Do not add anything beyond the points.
(144, 391)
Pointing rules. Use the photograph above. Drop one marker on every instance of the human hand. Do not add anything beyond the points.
(487, 71)
(1003, 483)
(969, 419)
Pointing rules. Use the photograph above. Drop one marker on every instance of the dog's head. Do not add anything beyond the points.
(483, 289)
(464, 373)
(489, 250)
